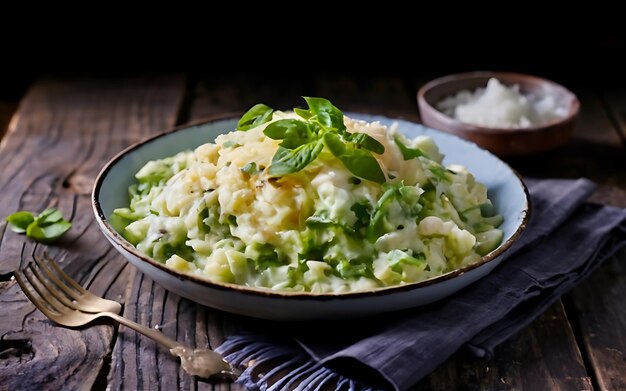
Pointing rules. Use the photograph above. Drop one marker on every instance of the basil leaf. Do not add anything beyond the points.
(328, 115)
(306, 114)
(48, 216)
(368, 142)
(48, 233)
(359, 162)
(257, 115)
(409, 153)
(292, 131)
(19, 221)
(48, 226)
(286, 161)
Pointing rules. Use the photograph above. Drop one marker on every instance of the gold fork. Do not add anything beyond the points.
(64, 301)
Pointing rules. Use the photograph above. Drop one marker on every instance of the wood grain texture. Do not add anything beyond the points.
(598, 305)
(7, 109)
(542, 357)
(138, 363)
(595, 152)
(61, 136)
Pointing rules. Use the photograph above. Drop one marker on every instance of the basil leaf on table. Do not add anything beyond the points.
(48, 233)
(47, 227)
(19, 221)
(49, 216)
(257, 115)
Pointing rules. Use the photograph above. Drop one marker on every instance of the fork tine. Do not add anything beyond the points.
(48, 299)
(51, 276)
(19, 276)
(68, 279)
(52, 288)
(85, 300)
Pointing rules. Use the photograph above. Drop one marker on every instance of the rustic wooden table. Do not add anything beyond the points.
(64, 130)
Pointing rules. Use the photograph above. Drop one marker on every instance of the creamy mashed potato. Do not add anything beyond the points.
(216, 212)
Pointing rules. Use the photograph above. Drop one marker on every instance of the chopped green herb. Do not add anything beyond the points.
(230, 144)
(250, 168)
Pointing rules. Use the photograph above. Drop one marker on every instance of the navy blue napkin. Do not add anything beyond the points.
(564, 242)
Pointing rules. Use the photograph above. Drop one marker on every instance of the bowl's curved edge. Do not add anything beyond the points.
(112, 234)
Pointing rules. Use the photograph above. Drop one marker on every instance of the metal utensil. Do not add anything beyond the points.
(65, 302)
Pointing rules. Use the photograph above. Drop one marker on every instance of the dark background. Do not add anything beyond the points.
(583, 54)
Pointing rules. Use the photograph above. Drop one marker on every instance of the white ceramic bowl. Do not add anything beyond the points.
(506, 190)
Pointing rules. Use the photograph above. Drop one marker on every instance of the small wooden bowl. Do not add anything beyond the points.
(502, 141)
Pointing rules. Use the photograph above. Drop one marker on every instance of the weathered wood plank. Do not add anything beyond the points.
(7, 109)
(542, 357)
(598, 303)
(615, 102)
(599, 308)
(63, 133)
(595, 152)
(139, 363)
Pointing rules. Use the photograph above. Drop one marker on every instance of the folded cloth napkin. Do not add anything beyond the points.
(564, 242)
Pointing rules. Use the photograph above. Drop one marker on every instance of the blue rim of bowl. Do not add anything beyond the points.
(253, 291)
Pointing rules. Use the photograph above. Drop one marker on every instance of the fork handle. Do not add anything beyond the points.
(198, 362)
(154, 334)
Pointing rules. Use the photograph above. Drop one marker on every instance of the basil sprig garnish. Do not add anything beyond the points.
(302, 140)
